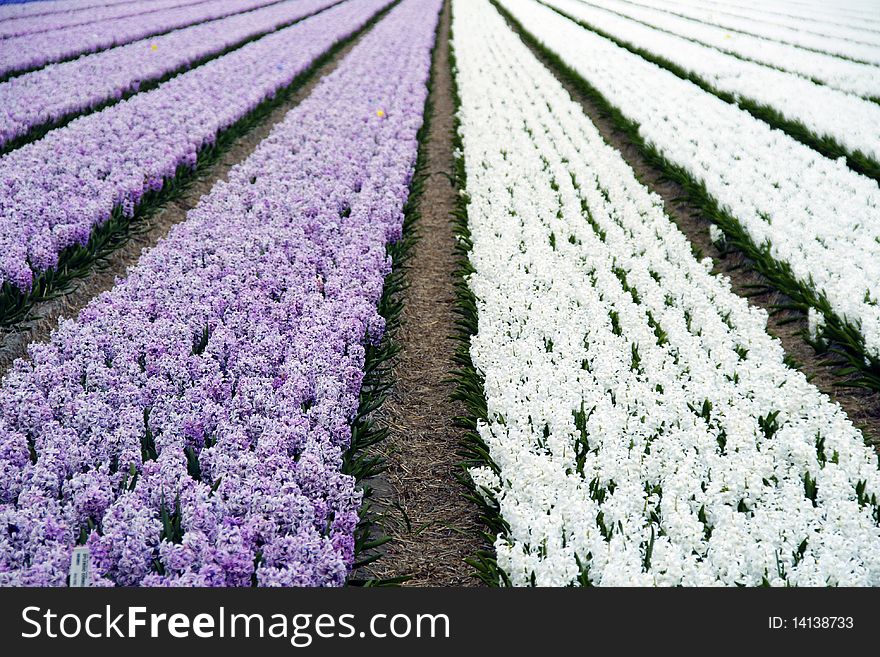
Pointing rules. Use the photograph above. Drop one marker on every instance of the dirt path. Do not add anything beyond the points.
(862, 406)
(148, 231)
(432, 526)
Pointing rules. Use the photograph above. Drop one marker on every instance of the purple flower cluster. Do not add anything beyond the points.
(43, 7)
(61, 90)
(30, 51)
(54, 191)
(59, 20)
(189, 427)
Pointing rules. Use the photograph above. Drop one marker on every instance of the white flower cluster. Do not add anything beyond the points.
(845, 75)
(843, 12)
(718, 237)
(815, 324)
(819, 218)
(826, 20)
(862, 15)
(840, 43)
(645, 427)
(850, 120)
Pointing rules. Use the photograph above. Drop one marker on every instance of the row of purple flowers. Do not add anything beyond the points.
(61, 90)
(23, 8)
(30, 51)
(53, 192)
(189, 428)
(60, 20)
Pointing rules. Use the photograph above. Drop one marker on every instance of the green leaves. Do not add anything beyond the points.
(769, 424)
(707, 527)
(129, 479)
(582, 443)
(172, 519)
(148, 443)
(201, 341)
(636, 359)
(192, 463)
(810, 488)
(172, 528)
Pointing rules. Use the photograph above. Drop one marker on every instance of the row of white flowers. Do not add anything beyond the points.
(859, 8)
(842, 74)
(850, 120)
(862, 14)
(826, 19)
(644, 424)
(818, 216)
(842, 42)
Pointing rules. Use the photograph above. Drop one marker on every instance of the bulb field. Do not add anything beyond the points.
(529, 293)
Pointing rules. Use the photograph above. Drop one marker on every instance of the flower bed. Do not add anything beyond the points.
(641, 427)
(813, 224)
(823, 113)
(57, 21)
(843, 43)
(849, 76)
(39, 99)
(30, 51)
(27, 8)
(57, 190)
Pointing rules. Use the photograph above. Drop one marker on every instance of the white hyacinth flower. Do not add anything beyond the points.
(719, 239)
(815, 324)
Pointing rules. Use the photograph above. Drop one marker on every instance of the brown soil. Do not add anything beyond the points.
(862, 406)
(148, 231)
(421, 502)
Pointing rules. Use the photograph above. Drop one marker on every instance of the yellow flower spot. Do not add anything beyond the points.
(380, 113)
(154, 47)
(726, 36)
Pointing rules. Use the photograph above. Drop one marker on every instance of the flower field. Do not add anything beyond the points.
(661, 337)
(49, 95)
(134, 147)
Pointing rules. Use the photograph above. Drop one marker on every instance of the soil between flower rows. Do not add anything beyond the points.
(432, 526)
